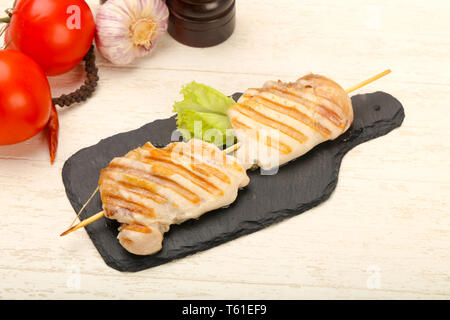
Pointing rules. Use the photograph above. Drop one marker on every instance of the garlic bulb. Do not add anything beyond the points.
(127, 29)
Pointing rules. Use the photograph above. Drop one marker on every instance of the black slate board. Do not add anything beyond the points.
(297, 187)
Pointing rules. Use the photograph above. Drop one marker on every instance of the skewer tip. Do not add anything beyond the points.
(370, 80)
(84, 223)
(67, 231)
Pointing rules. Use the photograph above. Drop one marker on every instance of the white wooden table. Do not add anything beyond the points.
(385, 231)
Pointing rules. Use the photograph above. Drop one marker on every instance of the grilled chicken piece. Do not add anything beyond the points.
(151, 188)
(282, 121)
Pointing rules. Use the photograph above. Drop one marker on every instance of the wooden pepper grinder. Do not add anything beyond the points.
(201, 23)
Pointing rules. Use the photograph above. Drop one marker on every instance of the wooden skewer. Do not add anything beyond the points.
(232, 148)
(228, 150)
(84, 223)
(370, 80)
(84, 206)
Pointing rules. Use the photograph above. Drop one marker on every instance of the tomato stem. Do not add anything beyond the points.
(5, 20)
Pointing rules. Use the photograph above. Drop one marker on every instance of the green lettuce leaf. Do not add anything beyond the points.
(203, 114)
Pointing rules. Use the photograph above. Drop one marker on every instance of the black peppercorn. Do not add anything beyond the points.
(87, 89)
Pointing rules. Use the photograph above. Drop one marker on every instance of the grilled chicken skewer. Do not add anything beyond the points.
(137, 237)
(101, 214)
(282, 121)
(151, 188)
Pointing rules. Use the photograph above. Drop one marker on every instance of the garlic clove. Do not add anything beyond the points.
(128, 29)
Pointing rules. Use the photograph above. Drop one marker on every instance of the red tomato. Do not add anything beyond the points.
(25, 98)
(57, 34)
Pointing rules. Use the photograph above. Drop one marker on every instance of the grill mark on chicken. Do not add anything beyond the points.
(127, 240)
(330, 116)
(136, 228)
(209, 170)
(234, 166)
(327, 96)
(137, 190)
(333, 113)
(293, 113)
(128, 189)
(135, 185)
(175, 168)
(280, 146)
(240, 125)
(333, 116)
(325, 112)
(298, 91)
(247, 110)
(196, 164)
(131, 206)
(220, 157)
(159, 180)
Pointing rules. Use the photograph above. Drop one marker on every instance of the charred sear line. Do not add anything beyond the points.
(280, 146)
(197, 165)
(327, 113)
(119, 186)
(175, 168)
(293, 113)
(134, 184)
(137, 228)
(247, 110)
(134, 207)
(163, 182)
